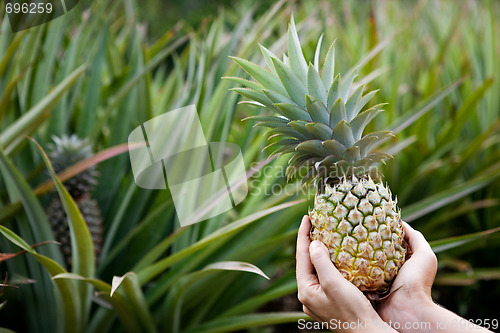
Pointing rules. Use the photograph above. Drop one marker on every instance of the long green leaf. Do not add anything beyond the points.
(67, 289)
(38, 221)
(153, 270)
(418, 111)
(452, 242)
(118, 301)
(447, 196)
(40, 110)
(82, 249)
(232, 324)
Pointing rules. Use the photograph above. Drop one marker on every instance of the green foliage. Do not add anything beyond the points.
(96, 74)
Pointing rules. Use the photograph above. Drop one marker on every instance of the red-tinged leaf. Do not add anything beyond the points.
(7, 256)
(10, 210)
(87, 163)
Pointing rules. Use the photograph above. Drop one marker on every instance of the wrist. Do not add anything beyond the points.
(405, 306)
(417, 311)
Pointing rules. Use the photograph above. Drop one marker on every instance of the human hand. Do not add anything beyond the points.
(327, 296)
(411, 290)
(410, 308)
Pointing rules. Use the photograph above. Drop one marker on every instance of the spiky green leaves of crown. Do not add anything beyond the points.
(317, 116)
(67, 151)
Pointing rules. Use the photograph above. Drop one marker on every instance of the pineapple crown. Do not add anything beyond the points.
(318, 117)
(67, 151)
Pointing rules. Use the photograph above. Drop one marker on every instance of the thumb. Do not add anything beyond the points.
(320, 258)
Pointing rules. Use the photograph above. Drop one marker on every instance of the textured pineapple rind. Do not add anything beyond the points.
(361, 226)
(60, 227)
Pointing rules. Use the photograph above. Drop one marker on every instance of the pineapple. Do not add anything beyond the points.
(320, 118)
(65, 152)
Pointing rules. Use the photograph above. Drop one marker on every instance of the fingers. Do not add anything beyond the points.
(422, 251)
(415, 239)
(305, 270)
(320, 258)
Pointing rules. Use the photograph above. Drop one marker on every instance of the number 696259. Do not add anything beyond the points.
(28, 8)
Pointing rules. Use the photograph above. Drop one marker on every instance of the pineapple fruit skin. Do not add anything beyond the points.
(60, 227)
(360, 224)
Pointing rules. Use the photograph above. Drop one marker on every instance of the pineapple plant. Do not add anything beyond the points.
(65, 152)
(319, 118)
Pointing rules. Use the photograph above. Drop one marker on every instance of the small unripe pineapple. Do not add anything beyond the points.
(65, 152)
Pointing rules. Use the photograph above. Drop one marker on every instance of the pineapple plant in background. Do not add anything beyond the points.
(65, 152)
(320, 120)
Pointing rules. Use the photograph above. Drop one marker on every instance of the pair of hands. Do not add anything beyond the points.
(329, 298)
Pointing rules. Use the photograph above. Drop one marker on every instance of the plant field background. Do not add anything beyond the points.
(101, 71)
